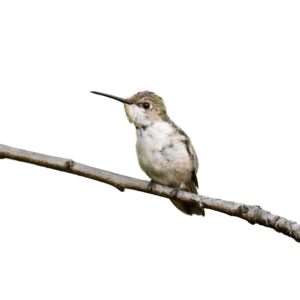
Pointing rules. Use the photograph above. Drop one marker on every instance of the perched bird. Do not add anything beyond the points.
(165, 153)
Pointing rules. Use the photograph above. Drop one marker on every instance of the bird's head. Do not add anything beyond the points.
(141, 108)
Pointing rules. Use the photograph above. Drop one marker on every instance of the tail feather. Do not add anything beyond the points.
(185, 208)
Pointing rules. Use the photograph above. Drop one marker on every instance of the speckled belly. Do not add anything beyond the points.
(163, 157)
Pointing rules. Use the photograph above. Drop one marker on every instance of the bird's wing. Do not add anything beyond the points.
(189, 147)
(192, 185)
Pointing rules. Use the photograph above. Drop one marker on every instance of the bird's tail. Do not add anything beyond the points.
(185, 208)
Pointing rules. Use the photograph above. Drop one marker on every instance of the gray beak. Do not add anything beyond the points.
(113, 97)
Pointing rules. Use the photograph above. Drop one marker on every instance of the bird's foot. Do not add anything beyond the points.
(151, 185)
(175, 192)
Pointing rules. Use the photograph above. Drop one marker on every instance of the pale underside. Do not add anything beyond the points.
(164, 151)
(162, 154)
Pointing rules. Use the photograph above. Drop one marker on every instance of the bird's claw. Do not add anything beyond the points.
(175, 192)
(151, 185)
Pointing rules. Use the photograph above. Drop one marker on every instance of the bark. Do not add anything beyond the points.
(254, 214)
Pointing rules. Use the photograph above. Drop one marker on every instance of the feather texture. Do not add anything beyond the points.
(165, 153)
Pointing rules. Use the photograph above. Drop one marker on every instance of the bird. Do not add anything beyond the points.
(165, 152)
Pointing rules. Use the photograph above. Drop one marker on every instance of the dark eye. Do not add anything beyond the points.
(146, 105)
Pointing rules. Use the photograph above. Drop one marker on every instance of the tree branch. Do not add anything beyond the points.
(251, 213)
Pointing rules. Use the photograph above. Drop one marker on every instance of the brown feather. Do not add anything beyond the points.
(185, 208)
(182, 207)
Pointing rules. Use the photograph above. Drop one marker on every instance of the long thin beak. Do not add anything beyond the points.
(113, 97)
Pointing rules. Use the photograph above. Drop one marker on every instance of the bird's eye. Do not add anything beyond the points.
(146, 105)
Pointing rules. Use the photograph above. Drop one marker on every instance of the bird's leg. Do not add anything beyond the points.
(175, 192)
(151, 185)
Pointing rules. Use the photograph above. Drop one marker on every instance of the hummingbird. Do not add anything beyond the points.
(165, 153)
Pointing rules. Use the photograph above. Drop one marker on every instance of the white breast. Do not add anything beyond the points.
(162, 154)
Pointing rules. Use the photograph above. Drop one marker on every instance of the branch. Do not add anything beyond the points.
(251, 213)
